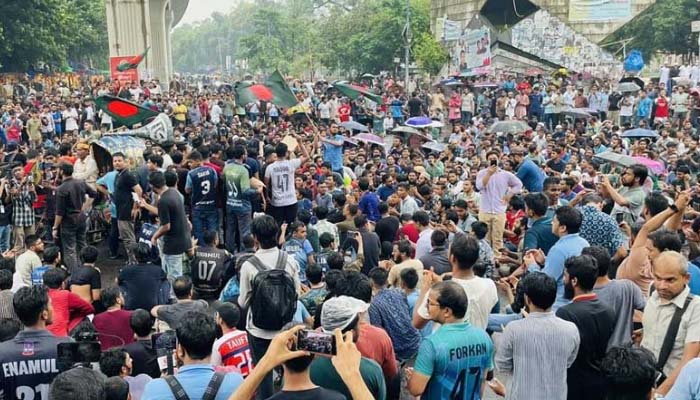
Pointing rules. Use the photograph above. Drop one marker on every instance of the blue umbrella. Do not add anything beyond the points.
(640, 133)
(354, 126)
(419, 122)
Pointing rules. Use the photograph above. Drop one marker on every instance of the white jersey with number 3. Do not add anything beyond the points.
(281, 174)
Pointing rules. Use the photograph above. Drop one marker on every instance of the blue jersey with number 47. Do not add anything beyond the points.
(456, 358)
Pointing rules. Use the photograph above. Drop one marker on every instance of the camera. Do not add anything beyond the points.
(165, 344)
(85, 350)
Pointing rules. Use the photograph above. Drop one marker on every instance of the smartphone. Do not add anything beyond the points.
(316, 342)
(619, 217)
(352, 234)
(494, 163)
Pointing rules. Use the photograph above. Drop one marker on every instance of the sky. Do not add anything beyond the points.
(198, 10)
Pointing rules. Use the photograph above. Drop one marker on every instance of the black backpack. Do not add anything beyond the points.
(274, 296)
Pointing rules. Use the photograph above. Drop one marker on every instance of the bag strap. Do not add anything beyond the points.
(176, 388)
(214, 384)
(671, 334)
(257, 263)
(281, 260)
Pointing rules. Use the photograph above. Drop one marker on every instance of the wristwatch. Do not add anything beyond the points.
(674, 208)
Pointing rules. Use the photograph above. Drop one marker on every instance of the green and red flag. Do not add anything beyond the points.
(123, 111)
(274, 90)
(355, 91)
(131, 63)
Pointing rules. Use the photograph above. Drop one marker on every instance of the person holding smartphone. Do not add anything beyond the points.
(496, 187)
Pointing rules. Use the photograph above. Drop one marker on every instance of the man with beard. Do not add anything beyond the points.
(670, 300)
(401, 257)
(70, 220)
(629, 201)
(565, 224)
(595, 322)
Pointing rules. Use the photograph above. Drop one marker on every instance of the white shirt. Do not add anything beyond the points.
(248, 273)
(664, 74)
(423, 245)
(482, 296)
(71, 117)
(215, 114)
(281, 175)
(324, 110)
(86, 170)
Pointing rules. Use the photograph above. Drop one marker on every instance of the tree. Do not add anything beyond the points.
(51, 31)
(664, 26)
(430, 55)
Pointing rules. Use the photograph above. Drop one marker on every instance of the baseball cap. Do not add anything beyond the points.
(339, 312)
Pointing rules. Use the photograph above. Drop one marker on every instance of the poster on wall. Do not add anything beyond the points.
(451, 30)
(599, 10)
(545, 36)
(471, 53)
(129, 75)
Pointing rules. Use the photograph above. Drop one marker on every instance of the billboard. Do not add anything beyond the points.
(471, 53)
(599, 10)
(129, 75)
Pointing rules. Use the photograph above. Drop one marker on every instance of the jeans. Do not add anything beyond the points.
(550, 120)
(498, 321)
(73, 241)
(204, 220)
(237, 227)
(466, 117)
(5, 231)
(172, 264)
(258, 347)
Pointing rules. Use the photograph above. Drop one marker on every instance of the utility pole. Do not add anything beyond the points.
(407, 43)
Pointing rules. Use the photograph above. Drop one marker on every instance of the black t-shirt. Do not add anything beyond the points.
(208, 267)
(387, 228)
(141, 285)
(415, 107)
(171, 210)
(595, 322)
(311, 394)
(145, 359)
(122, 194)
(84, 275)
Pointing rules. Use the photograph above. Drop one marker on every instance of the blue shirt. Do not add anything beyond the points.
(567, 246)
(369, 205)
(600, 229)
(644, 107)
(108, 181)
(531, 176)
(687, 385)
(456, 358)
(389, 311)
(385, 191)
(540, 236)
(694, 284)
(202, 181)
(334, 154)
(412, 298)
(194, 379)
(300, 251)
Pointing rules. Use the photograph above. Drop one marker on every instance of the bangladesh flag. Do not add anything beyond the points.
(124, 112)
(355, 91)
(273, 90)
(131, 63)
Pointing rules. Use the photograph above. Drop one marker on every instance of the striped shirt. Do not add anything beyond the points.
(537, 350)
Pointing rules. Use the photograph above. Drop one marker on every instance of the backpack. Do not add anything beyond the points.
(274, 296)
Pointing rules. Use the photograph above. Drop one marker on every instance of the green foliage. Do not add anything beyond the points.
(300, 36)
(52, 31)
(664, 26)
(430, 55)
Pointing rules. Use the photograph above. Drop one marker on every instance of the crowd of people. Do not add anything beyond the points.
(517, 263)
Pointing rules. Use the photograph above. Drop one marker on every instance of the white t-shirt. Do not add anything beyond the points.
(71, 118)
(324, 110)
(281, 174)
(215, 114)
(482, 296)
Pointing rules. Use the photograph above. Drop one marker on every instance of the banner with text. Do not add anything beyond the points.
(130, 75)
(599, 10)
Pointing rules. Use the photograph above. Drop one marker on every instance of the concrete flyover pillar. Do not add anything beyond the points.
(135, 25)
